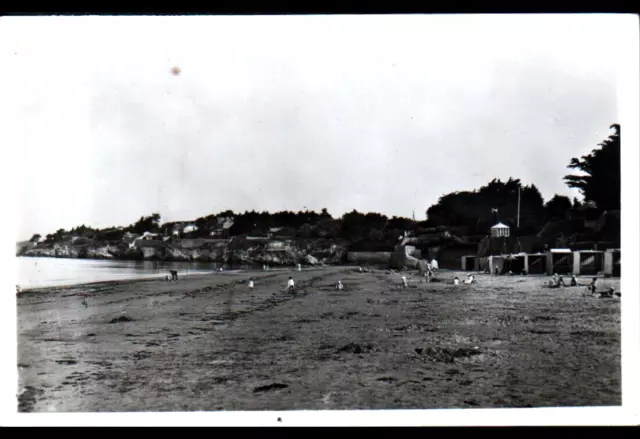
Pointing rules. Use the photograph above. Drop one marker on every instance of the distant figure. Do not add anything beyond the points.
(220, 270)
(434, 265)
(471, 279)
(486, 271)
(404, 282)
(510, 273)
(299, 267)
(339, 286)
(251, 283)
(456, 281)
(592, 286)
(290, 285)
(174, 274)
(556, 281)
(360, 269)
(574, 281)
(264, 267)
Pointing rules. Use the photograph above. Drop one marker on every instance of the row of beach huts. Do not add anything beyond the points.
(560, 261)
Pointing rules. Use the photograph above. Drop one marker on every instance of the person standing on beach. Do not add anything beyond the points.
(404, 282)
(251, 283)
(339, 286)
(290, 285)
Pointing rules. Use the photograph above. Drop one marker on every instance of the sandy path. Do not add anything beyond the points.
(503, 343)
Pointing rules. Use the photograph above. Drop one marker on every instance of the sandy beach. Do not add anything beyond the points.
(207, 343)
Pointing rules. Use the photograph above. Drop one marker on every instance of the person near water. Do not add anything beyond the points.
(404, 282)
(251, 283)
(339, 286)
(290, 284)
(471, 279)
(434, 265)
(456, 281)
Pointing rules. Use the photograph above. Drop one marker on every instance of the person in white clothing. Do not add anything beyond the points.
(456, 281)
(339, 286)
(471, 279)
(404, 282)
(290, 284)
(434, 265)
(251, 283)
(299, 267)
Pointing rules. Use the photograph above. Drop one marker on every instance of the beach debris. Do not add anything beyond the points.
(446, 355)
(66, 361)
(121, 319)
(270, 387)
(355, 348)
(27, 398)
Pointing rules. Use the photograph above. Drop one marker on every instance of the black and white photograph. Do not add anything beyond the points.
(343, 217)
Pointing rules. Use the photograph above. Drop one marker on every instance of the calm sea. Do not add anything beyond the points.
(47, 272)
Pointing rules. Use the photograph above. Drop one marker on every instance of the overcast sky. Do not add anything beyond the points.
(378, 113)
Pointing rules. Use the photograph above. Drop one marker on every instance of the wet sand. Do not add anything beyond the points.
(207, 343)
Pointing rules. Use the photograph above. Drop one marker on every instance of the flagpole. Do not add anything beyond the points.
(518, 221)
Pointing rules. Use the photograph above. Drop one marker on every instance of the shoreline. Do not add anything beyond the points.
(151, 278)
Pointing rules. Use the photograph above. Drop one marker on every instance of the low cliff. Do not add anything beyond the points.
(236, 251)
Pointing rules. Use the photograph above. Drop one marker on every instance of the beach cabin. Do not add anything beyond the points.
(559, 260)
(588, 262)
(612, 263)
(496, 264)
(500, 231)
(536, 263)
(517, 263)
(470, 263)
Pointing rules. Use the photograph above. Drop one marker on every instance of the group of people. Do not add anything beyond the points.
(471, 279)
(290, 284)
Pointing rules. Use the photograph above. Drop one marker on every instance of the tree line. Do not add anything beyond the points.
(472, 212)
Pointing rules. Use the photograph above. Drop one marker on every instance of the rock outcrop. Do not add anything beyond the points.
(274, 253)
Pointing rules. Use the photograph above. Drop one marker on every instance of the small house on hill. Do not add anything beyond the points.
(283, 232)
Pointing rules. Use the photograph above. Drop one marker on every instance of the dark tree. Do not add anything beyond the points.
(557, 207)
(474, 209)
(35, 238)
(149, 223)
(600, 178)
